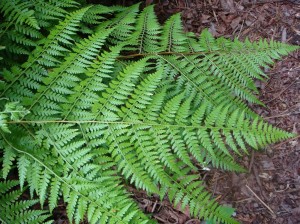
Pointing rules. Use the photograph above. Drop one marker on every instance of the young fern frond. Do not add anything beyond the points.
(119, 99)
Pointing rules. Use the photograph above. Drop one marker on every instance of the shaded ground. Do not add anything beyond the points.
(270, 192)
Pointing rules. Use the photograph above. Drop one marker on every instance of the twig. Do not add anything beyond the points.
(215, 183)
(257, 179)
(154, 206)
(251, 161)
(278, 95)
(215, 15)
(281, 115)
(261, 201)
(243, 200)
(238, 36)
(160, 219)
(187, 5)
(261, 2)
(191, 221)
(293, 190)
(287, 187)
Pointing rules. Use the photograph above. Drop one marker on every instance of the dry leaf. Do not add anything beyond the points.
(228, 5)
(235, 22)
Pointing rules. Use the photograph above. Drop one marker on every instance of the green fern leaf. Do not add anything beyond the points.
(19, 12)
(23, 164)
(147, 32)
(173, 39)
(116, 99)
(14, 211)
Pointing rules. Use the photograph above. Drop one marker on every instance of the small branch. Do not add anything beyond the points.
(273, 214)
(278, 95)
(186, 53)
(251, 161)
(160, 53)
(261, 2)
(281, 115)
(154, 206)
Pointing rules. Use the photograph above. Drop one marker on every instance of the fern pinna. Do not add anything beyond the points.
(109, 97)
(17, 211)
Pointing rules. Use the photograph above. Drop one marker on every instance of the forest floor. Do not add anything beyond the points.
(270, 191)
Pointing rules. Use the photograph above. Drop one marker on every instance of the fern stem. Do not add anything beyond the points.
(167, 125)
(199, 53)
(160, 53)
(170, 36)
(142, 37)
(2, 33)
(11, 111)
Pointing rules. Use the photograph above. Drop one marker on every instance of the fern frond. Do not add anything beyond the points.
(14, 210)
(47, 12)
(195, 79)
(117, 99)
(19, 12)
(95, 197)
(173, 39)
(29, 75)
(86, 93)
(230, 61)
(57, 83)
(146, 36)
(124, 24)
(95, 14)
(119, 90)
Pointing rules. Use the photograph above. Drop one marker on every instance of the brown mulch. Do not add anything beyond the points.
(270, 191)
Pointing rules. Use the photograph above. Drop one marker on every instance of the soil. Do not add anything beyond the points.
(270, 191)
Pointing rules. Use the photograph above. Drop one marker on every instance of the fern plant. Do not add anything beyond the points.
(108, 97)
(16, 210)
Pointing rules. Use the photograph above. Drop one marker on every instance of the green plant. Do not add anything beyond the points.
(108, 97)
(16, 210)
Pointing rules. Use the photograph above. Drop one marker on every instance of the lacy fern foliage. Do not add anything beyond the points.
(16, 210)
(108, 97)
